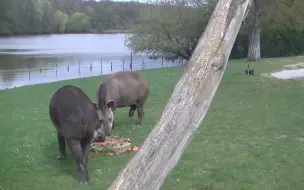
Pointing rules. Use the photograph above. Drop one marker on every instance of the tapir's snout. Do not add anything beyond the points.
(99, 135)
(101, 138)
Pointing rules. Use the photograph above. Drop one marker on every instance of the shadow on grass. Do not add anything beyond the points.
(65, 166)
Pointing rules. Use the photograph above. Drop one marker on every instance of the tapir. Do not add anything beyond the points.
(123, 89)
(77, 121)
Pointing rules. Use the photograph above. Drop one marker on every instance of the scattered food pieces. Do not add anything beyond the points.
(135, 148)
(114, 145)
(110, 153)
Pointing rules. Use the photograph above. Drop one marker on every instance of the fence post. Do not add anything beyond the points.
(162, 61)
(123, 64)
(131, 61)
(56, 69)
(91, 67)
(68, 68)
(143, 64)
(79, 67)
(29, 66)
(111, 66)
(101, 66)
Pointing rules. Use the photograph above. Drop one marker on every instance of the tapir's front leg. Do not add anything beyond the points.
(61, 146)
(75, 147)
(86, 147)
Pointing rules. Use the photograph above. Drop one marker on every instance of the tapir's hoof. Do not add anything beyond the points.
(60, 157)
(136, 126)
(131, 113)
(83, 182)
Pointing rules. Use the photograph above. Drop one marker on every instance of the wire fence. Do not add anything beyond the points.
(86, 67)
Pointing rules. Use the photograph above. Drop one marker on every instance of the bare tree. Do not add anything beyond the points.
(189, 102)
(254, 47)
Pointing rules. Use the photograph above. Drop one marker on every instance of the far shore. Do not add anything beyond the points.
(126, 31)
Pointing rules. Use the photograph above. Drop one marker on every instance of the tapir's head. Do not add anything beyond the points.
(99, 133)
(106, 117)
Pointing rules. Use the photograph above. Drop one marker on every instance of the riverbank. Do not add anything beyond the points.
(251, 138)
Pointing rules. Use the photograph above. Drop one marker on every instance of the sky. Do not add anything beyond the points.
(127, 0)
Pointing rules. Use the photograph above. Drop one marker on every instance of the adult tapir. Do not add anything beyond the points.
(77, 121)
(123, 89)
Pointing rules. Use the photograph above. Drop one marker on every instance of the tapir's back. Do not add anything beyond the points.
(125, 87)
(71, 110)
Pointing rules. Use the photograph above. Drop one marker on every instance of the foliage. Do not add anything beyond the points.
(174, 30)
(163, 27)
(19, 17)
(79, 22)
(61, 19)
(169, 30)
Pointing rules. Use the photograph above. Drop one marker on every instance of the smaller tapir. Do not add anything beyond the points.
(77, 121)
(122, 89)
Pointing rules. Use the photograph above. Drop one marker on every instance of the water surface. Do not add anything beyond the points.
(28, 60)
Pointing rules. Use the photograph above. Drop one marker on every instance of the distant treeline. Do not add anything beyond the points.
(173, 31)
(19, 17)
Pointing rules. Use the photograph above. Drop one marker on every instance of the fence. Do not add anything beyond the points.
(69, 68)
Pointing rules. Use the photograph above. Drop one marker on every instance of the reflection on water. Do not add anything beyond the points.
(47, 58)
(59, 44)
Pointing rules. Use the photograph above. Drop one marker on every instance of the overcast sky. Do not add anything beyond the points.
(127, 0)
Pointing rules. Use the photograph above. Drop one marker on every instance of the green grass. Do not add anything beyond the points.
(251, 137)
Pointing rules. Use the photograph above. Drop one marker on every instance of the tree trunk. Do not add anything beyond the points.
(254, 46)
(188, 104)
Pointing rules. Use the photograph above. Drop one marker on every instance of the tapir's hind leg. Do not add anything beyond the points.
(141, 113)
(61, 146)
(140, 108)
(132, 110)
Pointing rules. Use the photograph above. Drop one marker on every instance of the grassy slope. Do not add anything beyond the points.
(29, 144)
(250, 139)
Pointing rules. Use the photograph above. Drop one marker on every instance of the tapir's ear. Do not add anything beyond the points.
(96, 105)
(110, 104)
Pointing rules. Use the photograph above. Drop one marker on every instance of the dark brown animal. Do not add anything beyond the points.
(77, 121)
(122, 89)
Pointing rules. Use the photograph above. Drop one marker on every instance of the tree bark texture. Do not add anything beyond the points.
(254, 46)
(189, 102)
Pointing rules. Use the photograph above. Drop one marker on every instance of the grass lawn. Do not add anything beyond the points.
(251, 138)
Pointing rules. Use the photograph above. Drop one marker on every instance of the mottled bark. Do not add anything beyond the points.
(254, 46)
(188, 104)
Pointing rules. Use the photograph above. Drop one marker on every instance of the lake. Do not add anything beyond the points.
(28, 60)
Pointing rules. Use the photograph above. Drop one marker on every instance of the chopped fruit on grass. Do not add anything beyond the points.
(135, 148)
(110, 153)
